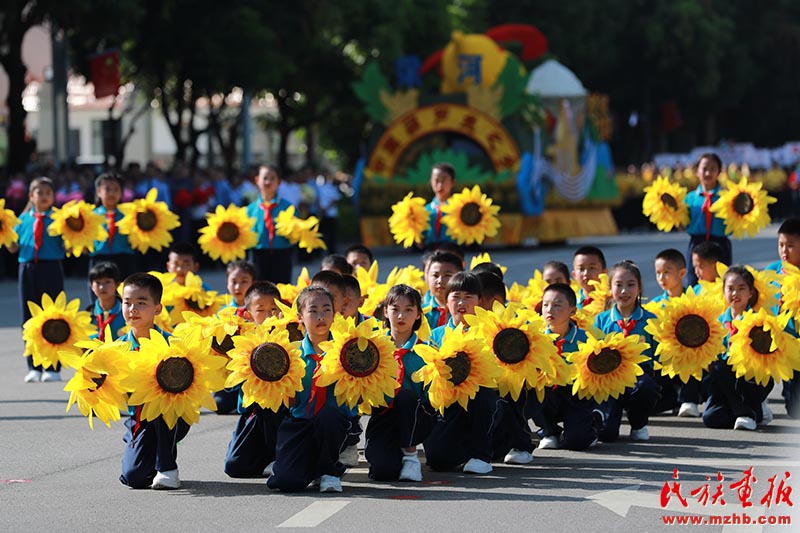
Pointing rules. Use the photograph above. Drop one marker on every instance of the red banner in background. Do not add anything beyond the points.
(105, 74)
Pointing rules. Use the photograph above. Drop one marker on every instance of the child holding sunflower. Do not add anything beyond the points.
(272, 256)
(394, 432)
(40, 261)
(117, 248)
(443, 179)
(441, 267)
(104, 279)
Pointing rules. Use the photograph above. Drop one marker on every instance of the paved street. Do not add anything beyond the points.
(56, 474)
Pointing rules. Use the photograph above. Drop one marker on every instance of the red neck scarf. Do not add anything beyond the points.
(442, 320)
(112, 228)
(628, 326)
(101, 324)
(268, 222)
(707, 210)
(38, 234)
(438, 222)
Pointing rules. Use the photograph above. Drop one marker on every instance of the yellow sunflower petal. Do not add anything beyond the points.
(409, 220)
(744, 208)
(78, 225)
(761, 349)
(54, 329)
(470, 216)
(663, 204)
(147, 223)
(228, 235)
(8, 221)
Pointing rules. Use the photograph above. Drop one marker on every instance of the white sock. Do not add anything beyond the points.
(410, 454)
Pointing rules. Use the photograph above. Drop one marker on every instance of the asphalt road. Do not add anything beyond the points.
(58, 475)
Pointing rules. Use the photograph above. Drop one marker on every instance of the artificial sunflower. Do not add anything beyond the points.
(790, 291)
(516, 293)
(147, 223)
(607, 366)
(289, 292)
(8, 221)
(360, 361)
(79, 226)
(663, 204)
(484, 257)
(175, 379)
(97, 383)
(220, 328)
(54, 328)
(228, 235)
(688, 334)
(515, 337)
(454, 372)
(744, 208)
(762, 349)
(408, 275)
(534, 292)
(268, 365)
(470, 216)
(367, 279)
(191, 296)
(597, 297)
(289, 321)
(409, 220)
(304, 233)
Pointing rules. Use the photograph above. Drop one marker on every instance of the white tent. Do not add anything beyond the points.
(551, 79)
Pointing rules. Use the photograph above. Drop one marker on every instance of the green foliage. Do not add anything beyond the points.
(513, 78)
(368, 90)
(465, 173)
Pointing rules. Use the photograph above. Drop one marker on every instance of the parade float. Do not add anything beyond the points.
(534, 141)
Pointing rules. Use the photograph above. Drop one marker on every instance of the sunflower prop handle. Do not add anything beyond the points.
(762, 349)
(147, 223)
(228, 235)
(8, 221)
(744, 208)
(470, 216)
(409, 221)
(663, 204)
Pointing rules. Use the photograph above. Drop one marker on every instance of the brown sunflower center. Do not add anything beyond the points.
(668, 200)
(761, 340)
(192, 304)
(692, 331)
(360, 363)
(460, 366)
(146, 220)
(471, 214)
(604, 362)
(223, 347)
(99, 381)
(269, 361)
(56, 330)
(228, 232)
(511, 345)
(743, 203)
(295, 333)
(75, 223)
(175, 374)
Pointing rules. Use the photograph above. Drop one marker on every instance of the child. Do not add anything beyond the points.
(181, 260)
(705, 257)
(151, 451)
(117, 248)
(627, 316)
(104, 279)
(336, 263)
(333, 282)
(555, 272)
(443, 179)
(670, 266)
(735, 402)
(488, 267)
(587, 265)
(40, 262)
(560, 405)
(441, 267)
(359, 255)
(464, 436)
(251, 450)
(239, 276)
(492, 289)
(352, 299)
(272, 256)
(311, 438)
(394, 432)
(703, 225)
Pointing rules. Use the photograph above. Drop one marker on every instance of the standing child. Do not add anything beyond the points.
(40, 262)
(735, 402)
(703, 225)
(150, 458)
(104, 279)
(394, 432)
(443, 179)
(117, 248)
(441, 267)
(627, 316)
(311, 438)
(272, 256)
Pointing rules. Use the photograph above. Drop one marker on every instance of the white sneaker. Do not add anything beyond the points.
(640, 434)
(268, 469)
(766, 413)
(349, 457)
(477, 466)
(594, 443)
(330, 484)
(34, 376)
(166, 480)
(745, 422)
(50, 375)
(548, 443)
(411, 470)
(688, 409)
(518, 457)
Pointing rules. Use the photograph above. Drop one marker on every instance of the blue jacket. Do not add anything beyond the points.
(697, 219)
(254, 210)
(121, 244)
(430, 236)
(607, 323)
(51, 249)
(571, 339)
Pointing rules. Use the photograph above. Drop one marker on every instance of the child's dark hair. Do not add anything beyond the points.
(488, 267)
(674, 256)
(261, 288)
(309, 291)
(447, 168)
(712, 156)
(709, 251)
(403, 291)
(329, 278)
(104, 270)
(246, 266)
(273, 168)
(491, 285)
(452, 248)
(566, 290)
(557, 265)
(336, 262)
(464, 282)
(42, 180)
(592, 250)
(351, 284)
(629, 266)
(184, 248)
(446, 258)
(790, 226)
(143, 280)
(108, 176)
(359, 249)
(747, 276)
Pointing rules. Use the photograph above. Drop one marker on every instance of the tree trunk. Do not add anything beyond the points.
(19, 150)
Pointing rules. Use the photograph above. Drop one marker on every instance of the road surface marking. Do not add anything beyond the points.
(315, 514)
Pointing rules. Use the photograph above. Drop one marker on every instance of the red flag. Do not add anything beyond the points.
(105, 74)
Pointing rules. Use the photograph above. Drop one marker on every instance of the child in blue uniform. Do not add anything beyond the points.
(627, 316)
(441, 267)
(239, 277)
(117, 248)
(705, 257)
(104, 279)
(311, 438)
(394, 432)
(151, 447)
(703, 224)
(272, 255)
(40, 262)
(735, 402)
(443, 179)
(359, 255)
(588, 263)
